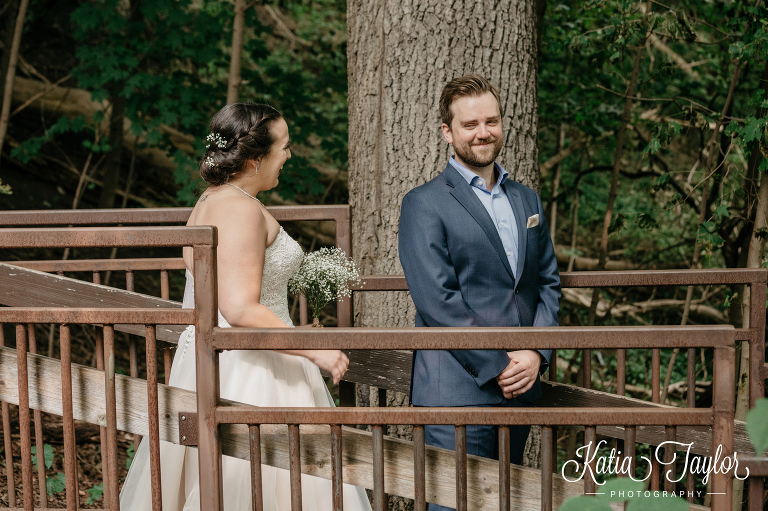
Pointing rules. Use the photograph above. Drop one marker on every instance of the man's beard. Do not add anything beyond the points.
(468, 156)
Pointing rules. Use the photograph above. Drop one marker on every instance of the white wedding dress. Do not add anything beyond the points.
(261, 378)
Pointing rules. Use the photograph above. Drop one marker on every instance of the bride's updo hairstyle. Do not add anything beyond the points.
(238, 132)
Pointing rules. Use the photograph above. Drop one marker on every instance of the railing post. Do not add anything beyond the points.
(209, 442)
(723, 401)
(757, 373)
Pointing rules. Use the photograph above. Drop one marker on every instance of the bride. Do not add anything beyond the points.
(248, 145)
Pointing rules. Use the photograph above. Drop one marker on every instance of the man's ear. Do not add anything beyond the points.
(447, 133)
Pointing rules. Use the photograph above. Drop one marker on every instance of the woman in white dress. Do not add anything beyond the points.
(248, 145)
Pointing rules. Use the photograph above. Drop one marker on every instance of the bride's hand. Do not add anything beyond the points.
(333, 361)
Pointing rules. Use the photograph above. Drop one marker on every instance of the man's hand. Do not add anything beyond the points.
(520, 375)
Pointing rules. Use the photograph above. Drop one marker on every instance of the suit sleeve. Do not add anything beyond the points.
(433, 284)
(549, 283)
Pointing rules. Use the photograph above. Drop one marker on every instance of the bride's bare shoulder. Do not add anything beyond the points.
(226, 210)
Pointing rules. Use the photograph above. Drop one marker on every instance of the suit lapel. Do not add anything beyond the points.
(463, 193)
(522, 228)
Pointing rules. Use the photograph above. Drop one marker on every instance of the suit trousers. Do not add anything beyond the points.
(481, 441)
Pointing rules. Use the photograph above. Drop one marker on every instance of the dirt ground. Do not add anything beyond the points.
(88, 461)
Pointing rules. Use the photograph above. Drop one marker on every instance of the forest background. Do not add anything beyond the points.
(652, 133)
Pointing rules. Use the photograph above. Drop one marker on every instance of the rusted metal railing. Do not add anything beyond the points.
(753, 279)
(211, 414)
(202, 240)
(96, 267)
(339, 214)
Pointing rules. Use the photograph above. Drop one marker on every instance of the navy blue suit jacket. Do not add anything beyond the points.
(459, 276)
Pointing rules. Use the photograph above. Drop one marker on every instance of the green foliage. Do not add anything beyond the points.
(31, 148)
(757, 426)
(47, 455)
(95, 493)
(131, 452)
(617, 490)
(55, 484)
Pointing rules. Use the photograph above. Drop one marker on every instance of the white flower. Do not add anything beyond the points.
(217, 139)
(324, 276)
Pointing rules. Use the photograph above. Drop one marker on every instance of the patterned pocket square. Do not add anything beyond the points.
(533, 221)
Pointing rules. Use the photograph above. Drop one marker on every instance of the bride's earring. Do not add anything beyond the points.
(256, 169)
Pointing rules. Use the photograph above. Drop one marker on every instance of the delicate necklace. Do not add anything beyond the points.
(248, 194)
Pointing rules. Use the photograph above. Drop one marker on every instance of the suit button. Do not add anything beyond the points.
(517, 291)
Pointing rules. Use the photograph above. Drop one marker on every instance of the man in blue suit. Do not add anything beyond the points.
(476, 252)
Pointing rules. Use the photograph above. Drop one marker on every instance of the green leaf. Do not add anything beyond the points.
(722, 211)
(618, 223)
(708, 235)
(662, 181)
(131, 452)
(753, 129)
(585, 503)
(658, 504)
(95, 493)
(646, 221)
(757, 425)
(55, 484)
(47, 455)
(653, 146)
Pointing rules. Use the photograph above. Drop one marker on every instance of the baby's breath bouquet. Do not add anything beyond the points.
(324, 276)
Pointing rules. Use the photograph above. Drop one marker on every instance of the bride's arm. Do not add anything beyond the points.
(242, 235)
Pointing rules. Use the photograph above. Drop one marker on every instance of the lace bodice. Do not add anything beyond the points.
(281, 260)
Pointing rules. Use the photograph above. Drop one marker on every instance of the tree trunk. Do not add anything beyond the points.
(238, 29)
(115, 155)
(754, 260)
(400, 55)
(10, 74)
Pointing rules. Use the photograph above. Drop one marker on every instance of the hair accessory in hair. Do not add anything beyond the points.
(209, 161)
(217, 139)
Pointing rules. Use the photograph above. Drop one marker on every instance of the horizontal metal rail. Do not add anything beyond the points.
(63, 237)
(469, 338)
(466, 416)
(629, 278)
(97, 316)
(136, 264)
(148, 216)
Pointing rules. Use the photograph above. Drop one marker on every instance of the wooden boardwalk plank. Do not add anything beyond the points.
(88, 405)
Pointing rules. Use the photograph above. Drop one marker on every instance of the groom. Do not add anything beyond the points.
(476, 251)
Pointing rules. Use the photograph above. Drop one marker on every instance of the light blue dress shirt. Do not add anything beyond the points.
(498, 207)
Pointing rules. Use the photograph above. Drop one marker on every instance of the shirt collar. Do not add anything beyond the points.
(473, 179)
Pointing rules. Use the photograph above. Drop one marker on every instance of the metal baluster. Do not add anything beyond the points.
(25, 427)
(546, 468)
(337, 478)
(11, 480)
(590, 436)
(154, 419)
(111, 409)
(294, 448)
(70, 456)
(379, 497)
(461, 468)
(254, 438)
(39, 443)
(419, 469)
(504, 454)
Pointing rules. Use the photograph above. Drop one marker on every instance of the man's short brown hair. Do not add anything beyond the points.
(468, 85)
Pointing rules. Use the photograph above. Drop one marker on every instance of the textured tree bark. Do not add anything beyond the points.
(401, 54)
(113, 163)
(238, 28)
